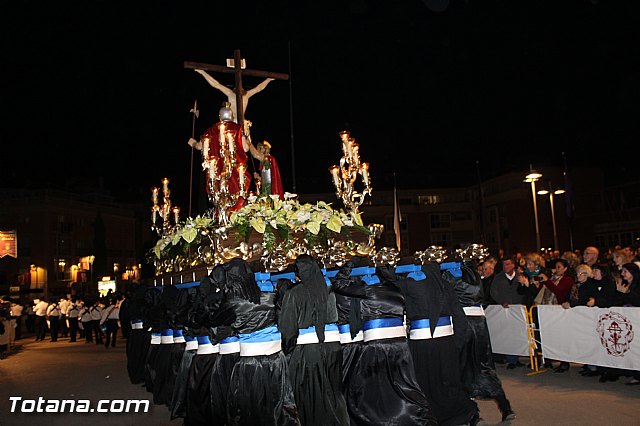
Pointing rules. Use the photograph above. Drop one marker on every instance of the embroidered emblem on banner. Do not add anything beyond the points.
(616, 333)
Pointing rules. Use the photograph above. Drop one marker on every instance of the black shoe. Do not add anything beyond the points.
(511, 366)
(508, 415)
(608, 377)
(590, 373)
(562, 368)
(633, 382)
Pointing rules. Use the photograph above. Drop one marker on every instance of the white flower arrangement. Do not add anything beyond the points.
(268, 216)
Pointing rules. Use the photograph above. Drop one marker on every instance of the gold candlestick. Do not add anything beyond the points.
(345, 175)
(165, 209)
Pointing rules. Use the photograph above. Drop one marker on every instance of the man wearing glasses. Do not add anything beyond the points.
(590, 256)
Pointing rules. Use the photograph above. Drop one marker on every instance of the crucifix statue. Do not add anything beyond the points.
(238, 97)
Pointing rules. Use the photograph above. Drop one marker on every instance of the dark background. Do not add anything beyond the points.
(95, 91)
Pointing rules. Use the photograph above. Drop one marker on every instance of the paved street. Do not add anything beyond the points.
(87, 371)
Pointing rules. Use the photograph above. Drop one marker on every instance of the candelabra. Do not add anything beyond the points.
(164, 210)
(345, 175)
(220, 163)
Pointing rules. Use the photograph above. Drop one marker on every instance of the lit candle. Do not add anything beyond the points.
(205, 148)
(165, 186)
(356, 154)
(154, 214)
(336, 178)
(232, 145)
(241, 177)
(176, 214)
(221, 135)
(154, 196)
(347, 148)
(213, 168)
(364, 171)
(352, 142)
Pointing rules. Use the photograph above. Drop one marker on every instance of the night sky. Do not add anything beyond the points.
(96, 89)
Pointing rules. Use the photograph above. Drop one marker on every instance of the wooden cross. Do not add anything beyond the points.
(237, 70)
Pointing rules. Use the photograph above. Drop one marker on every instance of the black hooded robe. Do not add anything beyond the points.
(259, 389)
(435, 359)
(383, 388)
(311, 367)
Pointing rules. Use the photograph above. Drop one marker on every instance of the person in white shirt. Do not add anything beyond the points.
(16, 315)
(110, 316)
(96, 316)
(40, 323)
(85, 321)
(64, 306)
(53, 315)
(73, 313)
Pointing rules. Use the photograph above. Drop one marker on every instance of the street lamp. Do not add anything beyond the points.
(532, 177)
(553, 212)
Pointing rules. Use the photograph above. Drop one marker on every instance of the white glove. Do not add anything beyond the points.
(195, 144)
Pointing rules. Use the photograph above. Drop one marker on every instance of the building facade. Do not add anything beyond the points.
(67, 241)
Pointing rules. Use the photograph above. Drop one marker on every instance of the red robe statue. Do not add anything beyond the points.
(271, 180)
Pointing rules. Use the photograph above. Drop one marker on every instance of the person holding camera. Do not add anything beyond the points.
(504, 290)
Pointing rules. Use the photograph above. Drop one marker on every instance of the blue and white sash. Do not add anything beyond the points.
(192, 343)
(345, 335)
(331, 333)
(307, 336)
(421, 329)
(167, 337)
(156, 338)
(136, 325)
(383, 328)
(267, 341)
(205, 347)
(178, 337)
(230, 345)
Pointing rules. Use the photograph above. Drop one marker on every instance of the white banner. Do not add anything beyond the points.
(508, 329)
(593, 336)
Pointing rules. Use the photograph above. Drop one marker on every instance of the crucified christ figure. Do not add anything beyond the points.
(231, 95)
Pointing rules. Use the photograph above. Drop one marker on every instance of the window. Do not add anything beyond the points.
(439, 221)
(441, 239)
(429, 199)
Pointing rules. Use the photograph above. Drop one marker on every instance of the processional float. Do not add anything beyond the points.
(268, 229)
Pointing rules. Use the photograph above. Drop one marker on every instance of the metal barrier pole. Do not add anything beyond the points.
(533, 344)
(533, 360)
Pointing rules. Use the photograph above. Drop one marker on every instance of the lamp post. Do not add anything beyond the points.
(551, 193)
(532, 177)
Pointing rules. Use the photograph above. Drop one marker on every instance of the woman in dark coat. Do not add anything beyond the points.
(383, 388)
